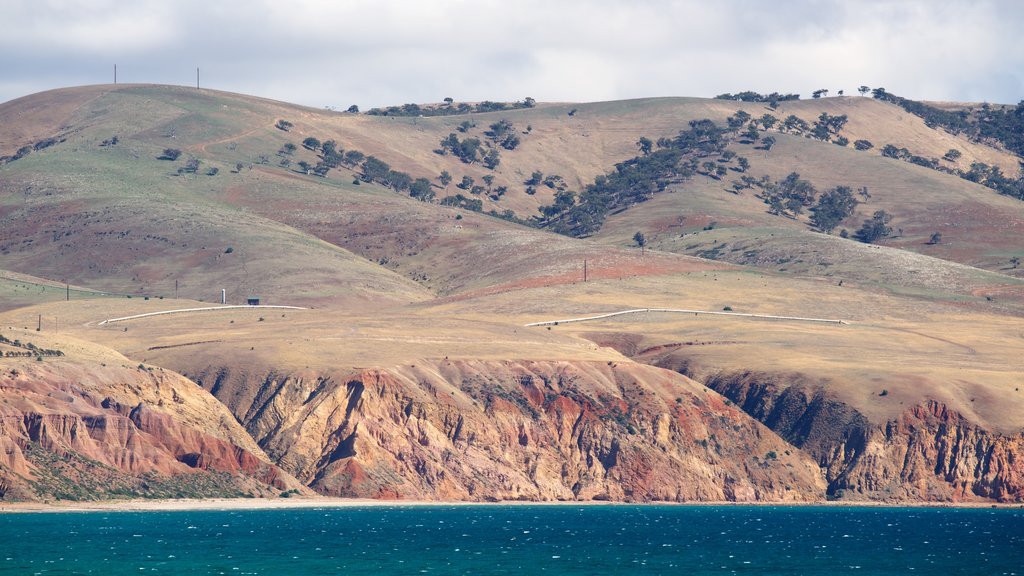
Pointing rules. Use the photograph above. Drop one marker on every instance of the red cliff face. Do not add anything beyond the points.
(515, 430)
(74, 432)
(928, 454)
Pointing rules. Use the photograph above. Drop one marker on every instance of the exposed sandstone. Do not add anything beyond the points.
(74, 431)
(514, 430)
(929, 453)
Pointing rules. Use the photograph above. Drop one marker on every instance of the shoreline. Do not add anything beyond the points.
(189, 504)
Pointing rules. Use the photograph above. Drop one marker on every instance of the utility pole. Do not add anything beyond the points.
(115, 73)
(67, 294)
(584, 270)
(197, 78)
(39, 324)
(175, 288)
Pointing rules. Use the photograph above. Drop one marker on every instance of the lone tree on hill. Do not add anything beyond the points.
(171, 154)
(640, 240)
(863, 90)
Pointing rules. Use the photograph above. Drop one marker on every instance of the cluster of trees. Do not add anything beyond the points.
(460, 201)
(827, 126)
(748, 96)
(449, 108)
(18, 155)
(979, 172)
(469, 150)
(792, 195)
(30, 349)
(1002, 124)
(503, 133)
(635, 180)
(874, 228)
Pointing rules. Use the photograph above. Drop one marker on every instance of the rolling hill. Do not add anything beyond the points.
(404, 367)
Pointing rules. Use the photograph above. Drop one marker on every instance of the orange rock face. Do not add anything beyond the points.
(515, 430)
(930, 453)
(74, 432)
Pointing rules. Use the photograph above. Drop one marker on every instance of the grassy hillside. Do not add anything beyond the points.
(387, 283)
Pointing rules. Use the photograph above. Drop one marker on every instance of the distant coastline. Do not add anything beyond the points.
(187, 504)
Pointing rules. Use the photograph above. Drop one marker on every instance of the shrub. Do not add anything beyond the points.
(171, 154)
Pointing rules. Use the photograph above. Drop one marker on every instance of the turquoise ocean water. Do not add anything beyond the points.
(495, 539)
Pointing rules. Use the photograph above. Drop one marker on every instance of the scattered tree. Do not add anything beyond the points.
(640, 239)
(466, 183)
(935, 238)
(863, 90)
(751, 134)
(645, 145)
(311, 143)
(875, 228)
(171, 154)
(445, 179)
(832, 208)
(422, 190)
(353, 157)
(952, 155)
(492, 159)
(863, 145)
(283, 125)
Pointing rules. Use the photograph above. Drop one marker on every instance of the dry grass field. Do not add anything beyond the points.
(390, 283)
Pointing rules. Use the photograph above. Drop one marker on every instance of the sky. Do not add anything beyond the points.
(385, 52)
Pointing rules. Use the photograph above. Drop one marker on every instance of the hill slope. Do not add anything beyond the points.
(408, 371)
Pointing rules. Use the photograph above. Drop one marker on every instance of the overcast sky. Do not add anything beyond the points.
(381, 52)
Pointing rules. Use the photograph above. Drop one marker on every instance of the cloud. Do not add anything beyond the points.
(380, 52)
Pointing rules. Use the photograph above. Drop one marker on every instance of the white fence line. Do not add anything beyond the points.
(206, 309)
(694, 312)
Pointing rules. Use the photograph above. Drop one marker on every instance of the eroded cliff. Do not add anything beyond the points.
(477, 430)
(928, 453)
(81, 432)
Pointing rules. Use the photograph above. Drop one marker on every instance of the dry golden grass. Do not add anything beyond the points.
(392, 281)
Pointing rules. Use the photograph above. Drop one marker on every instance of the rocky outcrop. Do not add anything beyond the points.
(71, 431)
(475, 430)
(929, 453)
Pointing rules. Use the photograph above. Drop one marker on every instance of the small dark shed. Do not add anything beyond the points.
(253, 301)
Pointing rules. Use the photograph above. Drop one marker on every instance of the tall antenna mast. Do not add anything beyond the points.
(197, 78)
(115, 73)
